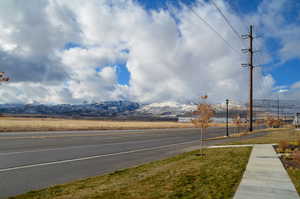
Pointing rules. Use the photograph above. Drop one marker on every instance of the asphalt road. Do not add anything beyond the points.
(34, 160)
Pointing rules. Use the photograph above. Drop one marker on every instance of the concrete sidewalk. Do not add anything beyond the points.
(265, 177)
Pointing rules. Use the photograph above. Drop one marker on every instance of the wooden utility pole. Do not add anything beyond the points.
(251, 67)
(251, 80)
(278, 108)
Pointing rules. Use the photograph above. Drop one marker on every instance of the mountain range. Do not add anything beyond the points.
(111, 109)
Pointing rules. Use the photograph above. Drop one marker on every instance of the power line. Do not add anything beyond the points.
(235, 6)
(262, 59)
(226, 20)
(214, 30)
(232, 28)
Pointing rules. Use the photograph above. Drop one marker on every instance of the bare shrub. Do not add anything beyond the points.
(259, 122)
(272, 122)
(283, 145)
(277, 123)
(296, 156)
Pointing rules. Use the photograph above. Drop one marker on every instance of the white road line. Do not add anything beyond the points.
(26, 133)
(55, 149)
(75, 147)
(91, 157)
(105, 132)
(47, 135)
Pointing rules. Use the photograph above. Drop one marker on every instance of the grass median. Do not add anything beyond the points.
(274, 136)
(213, 176)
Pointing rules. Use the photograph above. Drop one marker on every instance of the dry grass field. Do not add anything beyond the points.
(8, 124)
(12, 124)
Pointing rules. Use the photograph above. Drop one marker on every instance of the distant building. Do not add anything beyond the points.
(214, 119)
(296, 121)
(185, 119)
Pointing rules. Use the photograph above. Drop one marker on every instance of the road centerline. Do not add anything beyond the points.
(77, 147)
(91, 157)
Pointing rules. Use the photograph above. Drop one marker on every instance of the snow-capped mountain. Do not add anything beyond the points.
(166, 108)
(171, 108)
(232, 106)
(114, 108)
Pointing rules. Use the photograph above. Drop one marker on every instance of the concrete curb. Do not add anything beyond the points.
(230, 146)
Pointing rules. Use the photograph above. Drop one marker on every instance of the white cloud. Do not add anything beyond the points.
(168, 59)
(81, 58)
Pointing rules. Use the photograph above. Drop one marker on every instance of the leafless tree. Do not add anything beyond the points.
(204, 113)
(237, 121)
(272, 122)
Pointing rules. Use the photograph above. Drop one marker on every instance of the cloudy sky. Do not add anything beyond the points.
(62, 51)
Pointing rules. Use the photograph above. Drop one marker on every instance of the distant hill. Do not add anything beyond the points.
(107, 109)
(115, 109)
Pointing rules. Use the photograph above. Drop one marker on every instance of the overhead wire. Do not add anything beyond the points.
(213, 29)
(236, 33)
(261, 59)
(231, 26)
(226, 20)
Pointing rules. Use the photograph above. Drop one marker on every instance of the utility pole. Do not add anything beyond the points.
(278, 108)
(227, 132)
(251, 67)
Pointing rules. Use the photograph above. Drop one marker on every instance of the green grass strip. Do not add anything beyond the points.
(215, 175)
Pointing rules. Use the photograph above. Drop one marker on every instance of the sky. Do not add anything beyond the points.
(58, 51)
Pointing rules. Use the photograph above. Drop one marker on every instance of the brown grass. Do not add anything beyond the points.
(10, 124)
(298, 142)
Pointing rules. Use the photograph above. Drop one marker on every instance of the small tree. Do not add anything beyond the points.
(237, 121)
(271, 122)
(257, 122)
(204, 112)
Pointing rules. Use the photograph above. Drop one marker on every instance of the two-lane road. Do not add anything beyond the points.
(34, 160)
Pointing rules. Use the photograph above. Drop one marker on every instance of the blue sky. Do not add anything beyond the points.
(241, 6)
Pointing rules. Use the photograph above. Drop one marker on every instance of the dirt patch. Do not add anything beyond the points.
(288, 156)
